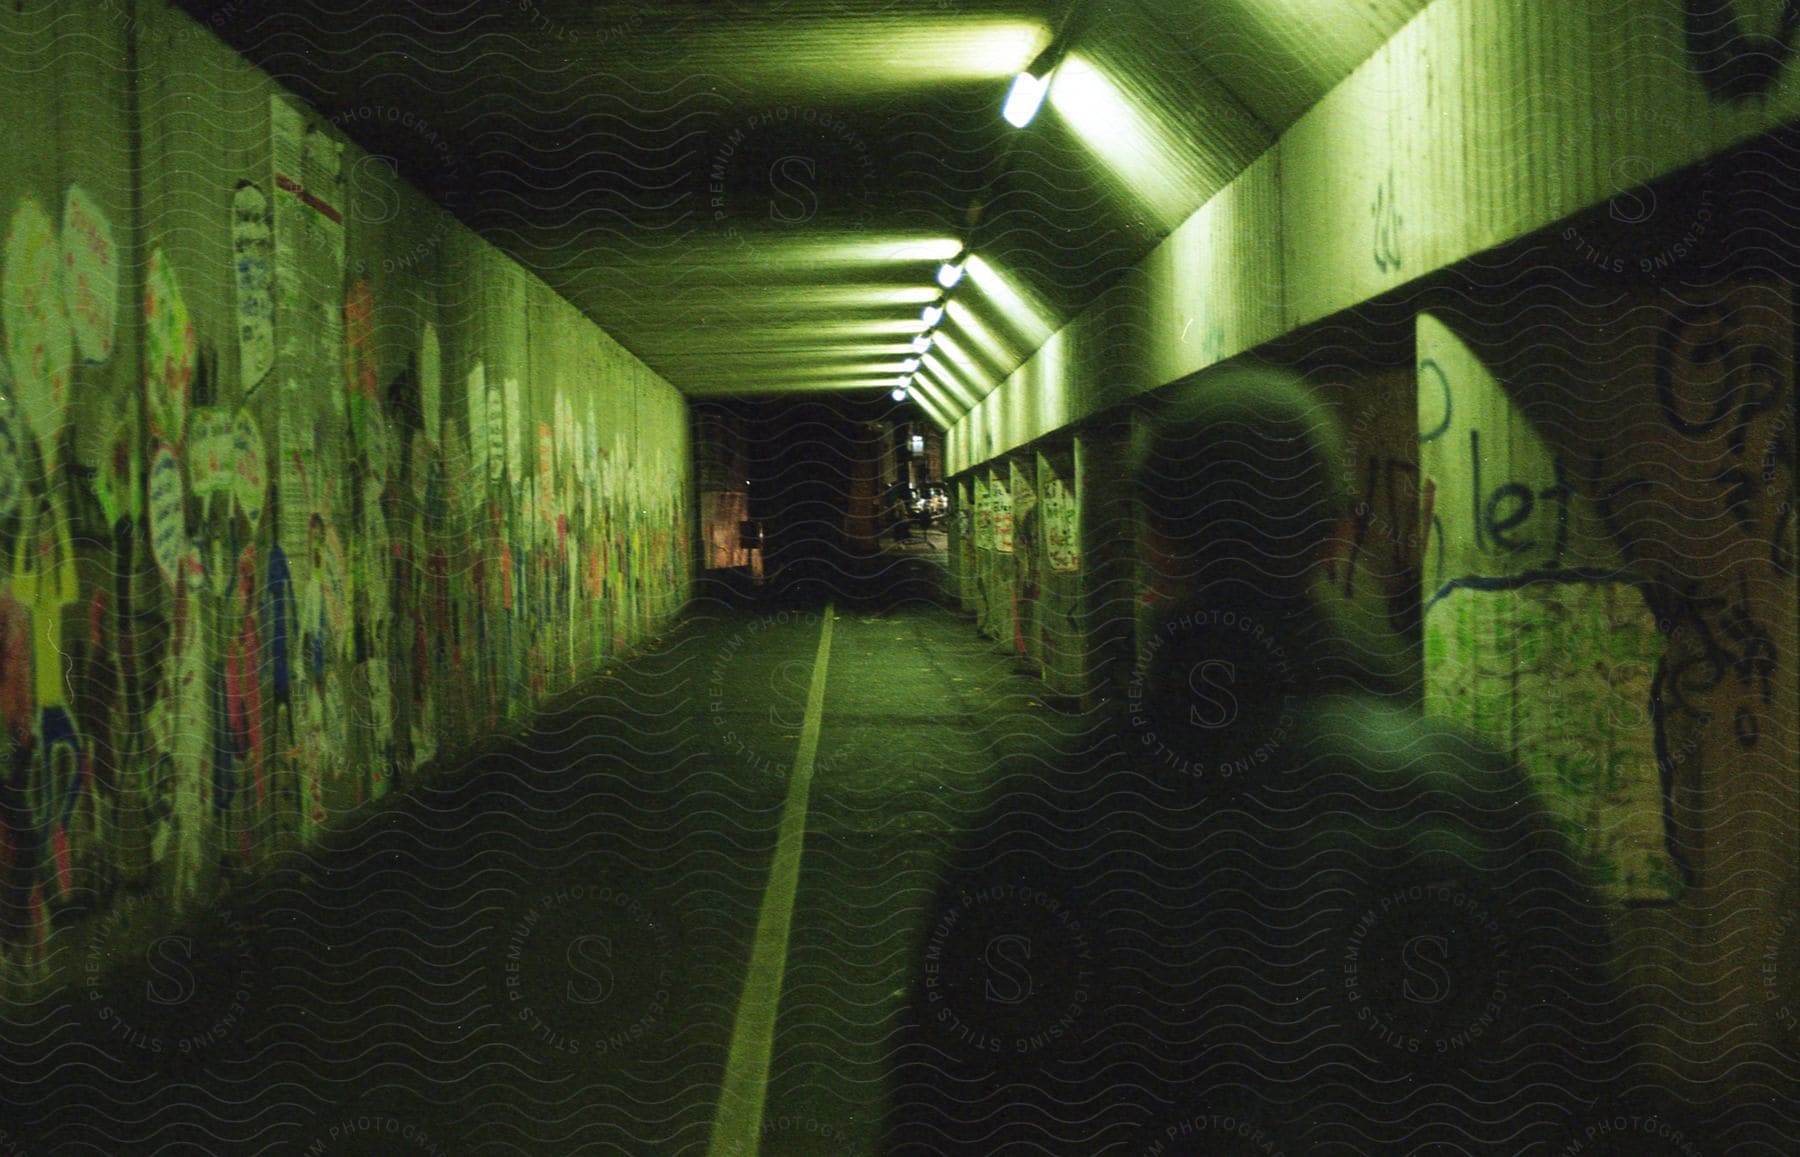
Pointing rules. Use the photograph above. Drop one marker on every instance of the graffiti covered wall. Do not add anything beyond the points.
(1536, 635)
(1619, 530)
(301, 484)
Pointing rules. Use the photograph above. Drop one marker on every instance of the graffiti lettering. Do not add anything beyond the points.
(1502, 511)
(1388, 223)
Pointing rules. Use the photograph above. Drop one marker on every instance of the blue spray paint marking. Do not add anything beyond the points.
(278, 601)
(57, 807)
(1591, 576)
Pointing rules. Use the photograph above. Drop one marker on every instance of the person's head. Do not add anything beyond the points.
(1239, 480)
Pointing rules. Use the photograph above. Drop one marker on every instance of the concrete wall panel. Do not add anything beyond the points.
(374, 493)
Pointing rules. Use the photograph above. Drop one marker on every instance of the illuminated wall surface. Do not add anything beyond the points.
(301, 485)
(1577, 508)
(1575, 503)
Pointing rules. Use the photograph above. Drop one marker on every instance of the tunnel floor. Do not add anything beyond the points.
(546, 951)
(682, 913)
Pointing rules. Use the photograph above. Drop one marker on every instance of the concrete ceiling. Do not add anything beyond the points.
(753, 195)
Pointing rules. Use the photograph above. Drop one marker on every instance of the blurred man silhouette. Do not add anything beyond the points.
(1284, 913)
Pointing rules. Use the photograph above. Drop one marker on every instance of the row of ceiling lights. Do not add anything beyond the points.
(1023, 100)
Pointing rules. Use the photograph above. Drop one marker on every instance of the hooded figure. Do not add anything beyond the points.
(1282, 913)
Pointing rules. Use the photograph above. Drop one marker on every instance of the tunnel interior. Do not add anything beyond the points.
(665, 578)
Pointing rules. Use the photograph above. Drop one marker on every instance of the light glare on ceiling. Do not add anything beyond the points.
(1133, 142)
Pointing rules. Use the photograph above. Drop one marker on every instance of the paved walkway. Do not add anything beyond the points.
(676, 917)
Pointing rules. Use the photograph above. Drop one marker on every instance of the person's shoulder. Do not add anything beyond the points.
(1431, 788)
(1396, 746)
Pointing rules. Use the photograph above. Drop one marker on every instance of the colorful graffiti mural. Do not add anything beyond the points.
(258, 608)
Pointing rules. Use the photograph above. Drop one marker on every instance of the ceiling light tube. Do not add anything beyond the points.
(933, 313)
(923, 342)
(909, 365)
(1026, 95)
(951, 271)
(899, 394)
(1024, 98)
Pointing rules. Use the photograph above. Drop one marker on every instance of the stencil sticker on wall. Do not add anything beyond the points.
(250, 478)
(90, 275)
(168, 350)
(1056, 503)
(168, 513)
(253, 255)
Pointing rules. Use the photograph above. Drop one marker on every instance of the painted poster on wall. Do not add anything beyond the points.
(209, 451)
(431, 377)
(1057, 508)
(287, 134)
(546, 472)
(322, 263)
(253, 260)
(294, 451)
(476, 393)
(12, 478)
(984, 516)
(494, 426)
(39, 341)
(308, 243)
(90, 275)
(361, 369)
(514, 423)
(1000, 499)
(169, 350)
(461, 476)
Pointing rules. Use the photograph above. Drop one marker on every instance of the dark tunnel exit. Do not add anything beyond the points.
(827, 488)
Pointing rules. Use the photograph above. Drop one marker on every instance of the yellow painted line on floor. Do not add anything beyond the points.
(737, 1129)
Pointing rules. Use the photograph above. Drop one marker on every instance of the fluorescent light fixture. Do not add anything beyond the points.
(899, 394)
(1024, 98)
(909, 365)
(923, 342)
(950, 272)
(1026, 95)
(932, 314)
